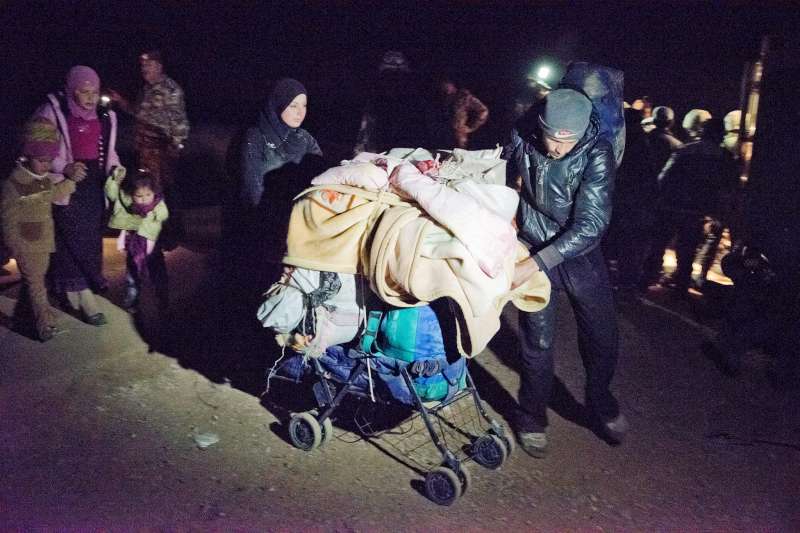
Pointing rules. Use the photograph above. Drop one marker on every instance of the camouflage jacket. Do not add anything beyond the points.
(161, 110)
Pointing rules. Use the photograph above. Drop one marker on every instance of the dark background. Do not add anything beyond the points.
(224, 54)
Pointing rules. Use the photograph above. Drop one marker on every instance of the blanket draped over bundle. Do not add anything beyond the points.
(427, 242)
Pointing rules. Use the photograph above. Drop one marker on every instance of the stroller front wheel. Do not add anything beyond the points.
(442, 486)
(490, 451)
(304, 431)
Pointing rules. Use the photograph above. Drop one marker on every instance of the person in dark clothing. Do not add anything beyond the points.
(276, 140)
(271, 153)
(692, 186)
(567, 174)
(454, 115)
(636, 189)
(764, 310)
(391, 118)
(661, 142)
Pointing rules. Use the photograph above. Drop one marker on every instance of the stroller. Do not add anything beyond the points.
(384, 369)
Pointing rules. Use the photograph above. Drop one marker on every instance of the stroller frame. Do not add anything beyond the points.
(445, 483)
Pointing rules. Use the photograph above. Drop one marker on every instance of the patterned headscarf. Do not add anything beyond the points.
(77, 78)
(40, 138)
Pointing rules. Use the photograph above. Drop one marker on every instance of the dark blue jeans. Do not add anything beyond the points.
(585, 281)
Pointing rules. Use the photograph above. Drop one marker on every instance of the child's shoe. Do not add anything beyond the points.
(48, 332)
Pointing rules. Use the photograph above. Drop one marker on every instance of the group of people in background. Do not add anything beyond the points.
(69, 183)
(672, 187)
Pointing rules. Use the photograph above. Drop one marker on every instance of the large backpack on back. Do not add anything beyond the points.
(603, 86)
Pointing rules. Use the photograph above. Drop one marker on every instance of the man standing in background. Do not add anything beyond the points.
(161, 122)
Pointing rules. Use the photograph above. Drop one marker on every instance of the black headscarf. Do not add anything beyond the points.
(284, 91)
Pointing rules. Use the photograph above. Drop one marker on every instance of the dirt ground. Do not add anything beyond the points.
(99, 429)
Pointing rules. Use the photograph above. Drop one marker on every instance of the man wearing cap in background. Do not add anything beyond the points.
(692, 123)
(161, 122)
(393, 116)
(661, 142)
(567, 179)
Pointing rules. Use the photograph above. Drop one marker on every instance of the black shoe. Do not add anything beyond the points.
(615, 429)
(98, 319)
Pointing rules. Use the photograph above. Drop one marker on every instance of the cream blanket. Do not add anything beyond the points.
(409, 259)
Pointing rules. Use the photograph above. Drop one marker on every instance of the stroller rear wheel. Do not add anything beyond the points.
(465, 477)
(442, 486)
(490, 451)
(327, 427)
(304, 431)
(327, 431)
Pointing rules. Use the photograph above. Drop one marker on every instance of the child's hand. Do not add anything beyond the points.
(75, 171)
(119, 173)
(151, 245)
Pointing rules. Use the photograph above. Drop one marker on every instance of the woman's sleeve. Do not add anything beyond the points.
(113, 157)
(314, 148)
(253, 169)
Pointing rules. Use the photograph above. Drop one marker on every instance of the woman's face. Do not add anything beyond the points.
(87, 97)
(295, 112)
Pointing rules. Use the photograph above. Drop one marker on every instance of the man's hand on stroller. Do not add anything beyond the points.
(523, 271)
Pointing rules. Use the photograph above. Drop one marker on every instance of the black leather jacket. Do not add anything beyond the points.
(565, 204)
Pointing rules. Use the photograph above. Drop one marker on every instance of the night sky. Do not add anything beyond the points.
(224, 54)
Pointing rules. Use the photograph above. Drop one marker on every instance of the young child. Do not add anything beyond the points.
(139, 212)
(27, 218)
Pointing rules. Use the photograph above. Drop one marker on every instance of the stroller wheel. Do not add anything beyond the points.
(327, 427)
(327, 431)
(490, 451)
(304, 431)
(442, 486)
(508, 440)
(465, 477)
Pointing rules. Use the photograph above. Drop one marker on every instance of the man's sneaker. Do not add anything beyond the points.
(534, 444)
(616, 428)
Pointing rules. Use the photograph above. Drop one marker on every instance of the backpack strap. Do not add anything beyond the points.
(370, 332)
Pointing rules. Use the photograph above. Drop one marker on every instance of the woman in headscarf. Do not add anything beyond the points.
(86, 155)
(276, 140)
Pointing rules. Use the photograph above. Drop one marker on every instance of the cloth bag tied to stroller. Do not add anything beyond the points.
(322, 305)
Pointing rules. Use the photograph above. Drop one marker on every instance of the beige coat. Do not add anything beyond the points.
(26, 209)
